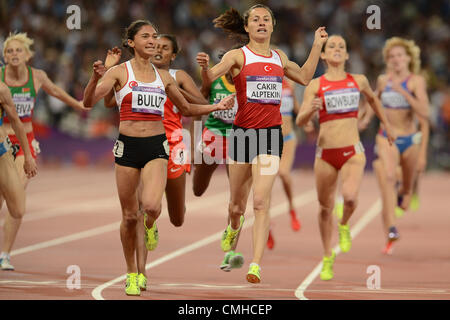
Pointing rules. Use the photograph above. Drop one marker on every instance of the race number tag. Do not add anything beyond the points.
(264, 89)
(24, 104)
(148, 100)
(392, 99)
(341, 100)
(226, 116)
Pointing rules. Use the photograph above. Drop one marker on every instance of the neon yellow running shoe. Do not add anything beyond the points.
(327, 267)
(345, 238)
(415, 202)
(338, 209)
(151, 235)
(399, 212)
(131, 286)
(229, 236)
(254, 275)
(142, 282)
(232, 260)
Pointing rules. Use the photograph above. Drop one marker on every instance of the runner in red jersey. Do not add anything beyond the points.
(336, 96)
(257, 74)
(141, 151)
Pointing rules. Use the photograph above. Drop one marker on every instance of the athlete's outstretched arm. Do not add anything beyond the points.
(232, 59)
(310, 104)
(95, 91)
(305, 73)
(7, 104)
(52, 89)
(375, 104)
(189, 89)
(184, 106)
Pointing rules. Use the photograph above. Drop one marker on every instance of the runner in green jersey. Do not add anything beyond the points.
(214, 145)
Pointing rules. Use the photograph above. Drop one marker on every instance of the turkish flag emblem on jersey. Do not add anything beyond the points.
(267, 68)
(133, 84)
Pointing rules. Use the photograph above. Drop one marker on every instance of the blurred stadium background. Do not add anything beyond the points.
(68, 137)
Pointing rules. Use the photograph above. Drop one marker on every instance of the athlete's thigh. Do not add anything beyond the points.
(176, 195)
(408, 163)
(326, 181)
(240, 177)
(127, 180)
(19, 162)
(288, 155)
(352, 173)
(388, 154)
(264, 173)
(11, 187)
(154, 179)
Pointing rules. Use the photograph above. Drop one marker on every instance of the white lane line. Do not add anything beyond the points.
(79, 208)
(24, 282)
(360, 225)
(69, 238)
(193, 207)
(279, 209)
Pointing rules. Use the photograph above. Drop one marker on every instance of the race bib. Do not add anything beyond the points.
(341, 100)
(392, 99)
(148, 100)
(226, 116)
(24, 104)
(287, 104)
(264, 89)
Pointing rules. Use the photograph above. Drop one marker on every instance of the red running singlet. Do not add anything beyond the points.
(340, 98)
(140, 100)
(258, 90)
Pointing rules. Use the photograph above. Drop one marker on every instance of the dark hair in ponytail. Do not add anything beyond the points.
(173, 40)
(132, 30)
(233, 23)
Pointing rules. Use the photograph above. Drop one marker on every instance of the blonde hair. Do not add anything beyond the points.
(412, 50)
(22, 38)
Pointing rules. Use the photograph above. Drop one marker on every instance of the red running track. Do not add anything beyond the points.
(73, 215)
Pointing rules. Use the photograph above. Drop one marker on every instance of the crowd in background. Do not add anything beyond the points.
(67, 55)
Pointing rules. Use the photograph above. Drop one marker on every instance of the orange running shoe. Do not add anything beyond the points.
(295, 223)
(270, 241)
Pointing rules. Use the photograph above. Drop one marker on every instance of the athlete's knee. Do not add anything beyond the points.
(151, 208)
(260, 204)
(350, 201)
(198, 190)
(325, 208)
(177, 219)
(129, 217)
(236, 209)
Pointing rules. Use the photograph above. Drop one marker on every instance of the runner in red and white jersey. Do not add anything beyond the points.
(336, 96)
(256, 138)
(141, 151)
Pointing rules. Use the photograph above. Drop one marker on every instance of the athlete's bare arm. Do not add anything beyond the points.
(375, 104)
(304, 74)
(52, 89)
(232, 61)
(311, 103)
(184, 106)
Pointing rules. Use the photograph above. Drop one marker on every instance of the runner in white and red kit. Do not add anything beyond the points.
(256, 141)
